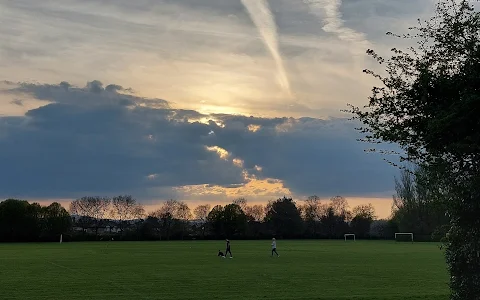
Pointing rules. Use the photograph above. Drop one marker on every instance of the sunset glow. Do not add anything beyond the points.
(201, 101)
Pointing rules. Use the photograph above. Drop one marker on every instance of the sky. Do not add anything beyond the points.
(194, 100)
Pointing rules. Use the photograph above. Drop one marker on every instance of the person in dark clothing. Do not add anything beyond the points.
(228, 251)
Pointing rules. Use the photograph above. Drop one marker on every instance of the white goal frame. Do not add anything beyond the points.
(403, 233)
(349, 234)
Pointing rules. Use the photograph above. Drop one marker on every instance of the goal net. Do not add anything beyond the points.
(349, 236)
(404, 237)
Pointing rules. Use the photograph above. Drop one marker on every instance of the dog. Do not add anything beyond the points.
(220, 253)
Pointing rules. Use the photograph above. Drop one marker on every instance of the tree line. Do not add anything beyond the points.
(124, 218)
(21, 221)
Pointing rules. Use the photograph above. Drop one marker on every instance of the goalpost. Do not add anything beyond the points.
(403, 234)
(349, 234)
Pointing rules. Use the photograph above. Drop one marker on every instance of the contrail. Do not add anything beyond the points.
(262, 17)
(329, 11)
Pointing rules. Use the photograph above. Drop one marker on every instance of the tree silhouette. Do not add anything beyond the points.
(93, 208)
(418, 206)
(124, 209)
(242, 202)
(183, 214)
(340, 207)
(166, 216)
(56, 220)
(201, 213)
(284, 218)
(21, 221)
(312, 212)
(255, 212)
(234, 220)
(216, 222)
(366, 211)
(363, 216)
(428, 103)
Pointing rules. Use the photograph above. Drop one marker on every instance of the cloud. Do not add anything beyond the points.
(72, 139)
(262, 17)
(100, 140)
(18, 102)
(329, 12)
(309, 155)
(93, 94)
(201, 55)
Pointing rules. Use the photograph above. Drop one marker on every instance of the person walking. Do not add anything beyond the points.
(228, 251)
(274, 247)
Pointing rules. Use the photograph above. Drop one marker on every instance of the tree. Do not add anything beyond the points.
(284, 218)
(428, 104)
(312, 212)
(150, 228)
(124, 209)
(366, 211)
(418, 206)
(405, 205)
(93, 208)
(216, 222)
(173, 217)
(332, 224)
(19, 221)
(56, 220)
(255, 216)
(201, 213)
(166, 216)
(311, 209)
(255, 212)
(363, 216)
(234, 220)
(242, 202)
(183, 214)
(340, 207)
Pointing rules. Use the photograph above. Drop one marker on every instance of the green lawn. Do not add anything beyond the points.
(191, 270)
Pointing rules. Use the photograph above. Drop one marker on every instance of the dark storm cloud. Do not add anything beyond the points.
(312, 156)
(93, 94)
(97, 140)
(94, 140)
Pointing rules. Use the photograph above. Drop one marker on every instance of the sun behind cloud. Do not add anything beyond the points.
(254, 188)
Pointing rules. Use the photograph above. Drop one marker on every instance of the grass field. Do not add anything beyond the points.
(191, 270)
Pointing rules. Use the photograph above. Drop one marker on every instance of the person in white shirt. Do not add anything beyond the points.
(274, 247)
